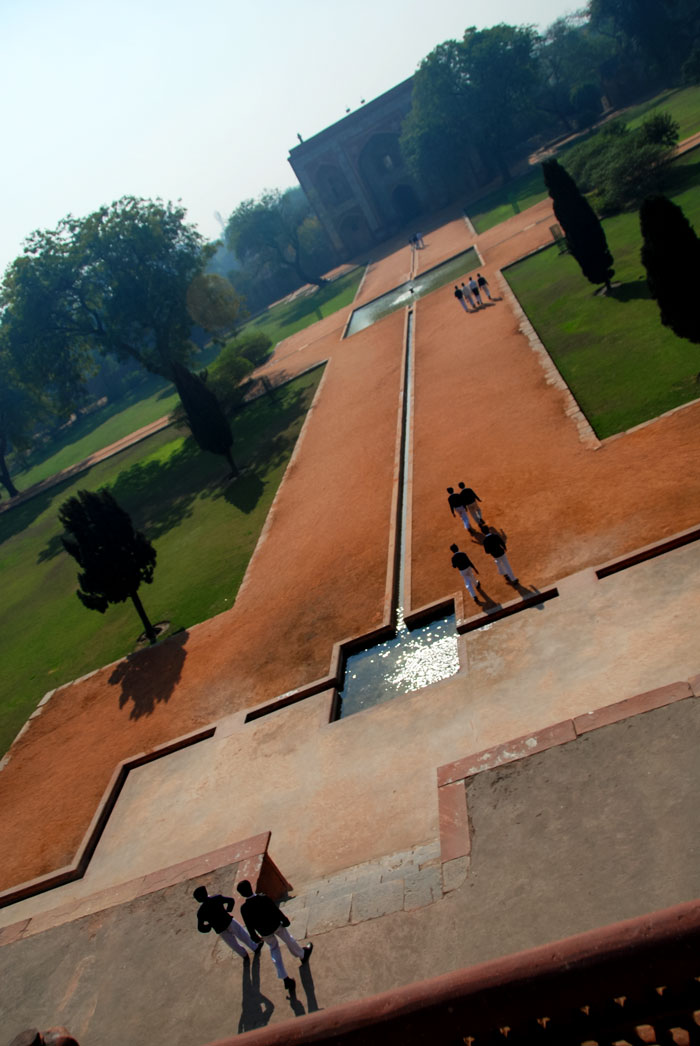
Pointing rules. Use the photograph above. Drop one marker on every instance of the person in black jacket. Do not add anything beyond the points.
(462, 563)
(468, 498)
(495, 546)
(267, 923)
(214, 914)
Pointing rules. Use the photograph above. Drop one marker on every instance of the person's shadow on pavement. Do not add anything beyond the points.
(527, 592)
(307, 983)
(296, 1005)
(256, 1008)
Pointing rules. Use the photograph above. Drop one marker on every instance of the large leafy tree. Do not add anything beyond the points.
(114, 558)
(660, 32)
(115, 282)
(671, 257)
(479, 92)
(270, 232)
(584, 233)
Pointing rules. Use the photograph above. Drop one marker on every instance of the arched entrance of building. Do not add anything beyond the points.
(354, 232)
(405, 202)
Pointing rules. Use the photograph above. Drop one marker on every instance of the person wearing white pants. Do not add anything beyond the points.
(462, 563)
(267, 923)
(215, 914)
(456, 506)
(495, 546)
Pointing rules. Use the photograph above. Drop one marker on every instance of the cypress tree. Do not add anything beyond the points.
(584, 233)
(671, 257)
(208, 423)
(114, 557)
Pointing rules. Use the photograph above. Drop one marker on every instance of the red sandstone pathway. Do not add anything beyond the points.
(483, 412)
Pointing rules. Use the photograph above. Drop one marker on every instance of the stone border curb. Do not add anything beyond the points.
(455, 831)
(641, 555)
(76, 870)
(250, 855)
(552, 375)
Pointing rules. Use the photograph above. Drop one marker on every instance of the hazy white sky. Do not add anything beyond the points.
(198, 101)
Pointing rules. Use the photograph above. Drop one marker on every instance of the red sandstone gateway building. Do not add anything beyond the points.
(354, 175)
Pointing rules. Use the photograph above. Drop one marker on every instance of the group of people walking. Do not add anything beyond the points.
(416, 240)
(464, 503)
(264, 924)
(471, 293)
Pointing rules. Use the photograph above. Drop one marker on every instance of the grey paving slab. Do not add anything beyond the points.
(383, 899)
(598, 830)
(330, 914)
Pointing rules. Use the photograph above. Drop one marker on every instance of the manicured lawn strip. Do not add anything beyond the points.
(683, 105)
(204, 530)
(155, 397)
(621, 364)
(519, 194)
(528, 188)
(282, 320)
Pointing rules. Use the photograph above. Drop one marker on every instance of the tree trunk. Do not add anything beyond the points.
(234, 467)
(147, 626)
(5, 477)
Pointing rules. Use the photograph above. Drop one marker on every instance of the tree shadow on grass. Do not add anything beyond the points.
(631, 291)
(19, 517)
(148, 677)
(51, 549)
(245, 492)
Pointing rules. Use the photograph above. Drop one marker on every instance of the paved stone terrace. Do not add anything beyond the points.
(595, 831)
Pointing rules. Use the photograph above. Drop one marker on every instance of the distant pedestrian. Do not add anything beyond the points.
(495, 546)
(460, 298)
(483, 286)
(267, 923)
(454, 500)
(419, 240)
(467, 295)
(469, 499)
(214, 914)
(474, 290)
(462, 562)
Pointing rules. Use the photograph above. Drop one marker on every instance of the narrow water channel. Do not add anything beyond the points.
(411, 659)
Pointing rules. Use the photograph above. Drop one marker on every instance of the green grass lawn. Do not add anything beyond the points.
(683, 105)
(622, 366)
(519, 194)
(156, 397)
(282, 320)
(528, 188)
(204, 530)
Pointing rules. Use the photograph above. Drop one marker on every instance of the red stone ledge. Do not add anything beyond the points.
(588, 968)
(250, 855)
(76, 870)
(514, 606)
(641, 555)
(455, 836)
(631, 706)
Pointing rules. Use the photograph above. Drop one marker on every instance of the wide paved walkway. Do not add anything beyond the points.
(483, 412)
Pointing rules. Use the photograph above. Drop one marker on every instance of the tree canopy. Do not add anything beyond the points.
(273, 232)
(214, 305)
(473, 95)
(115, 281)
(114, 558)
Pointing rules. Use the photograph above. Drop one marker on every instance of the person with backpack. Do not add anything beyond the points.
(495, 546)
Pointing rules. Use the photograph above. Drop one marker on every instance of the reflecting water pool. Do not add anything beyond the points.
(450, 271)
(407, 662)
